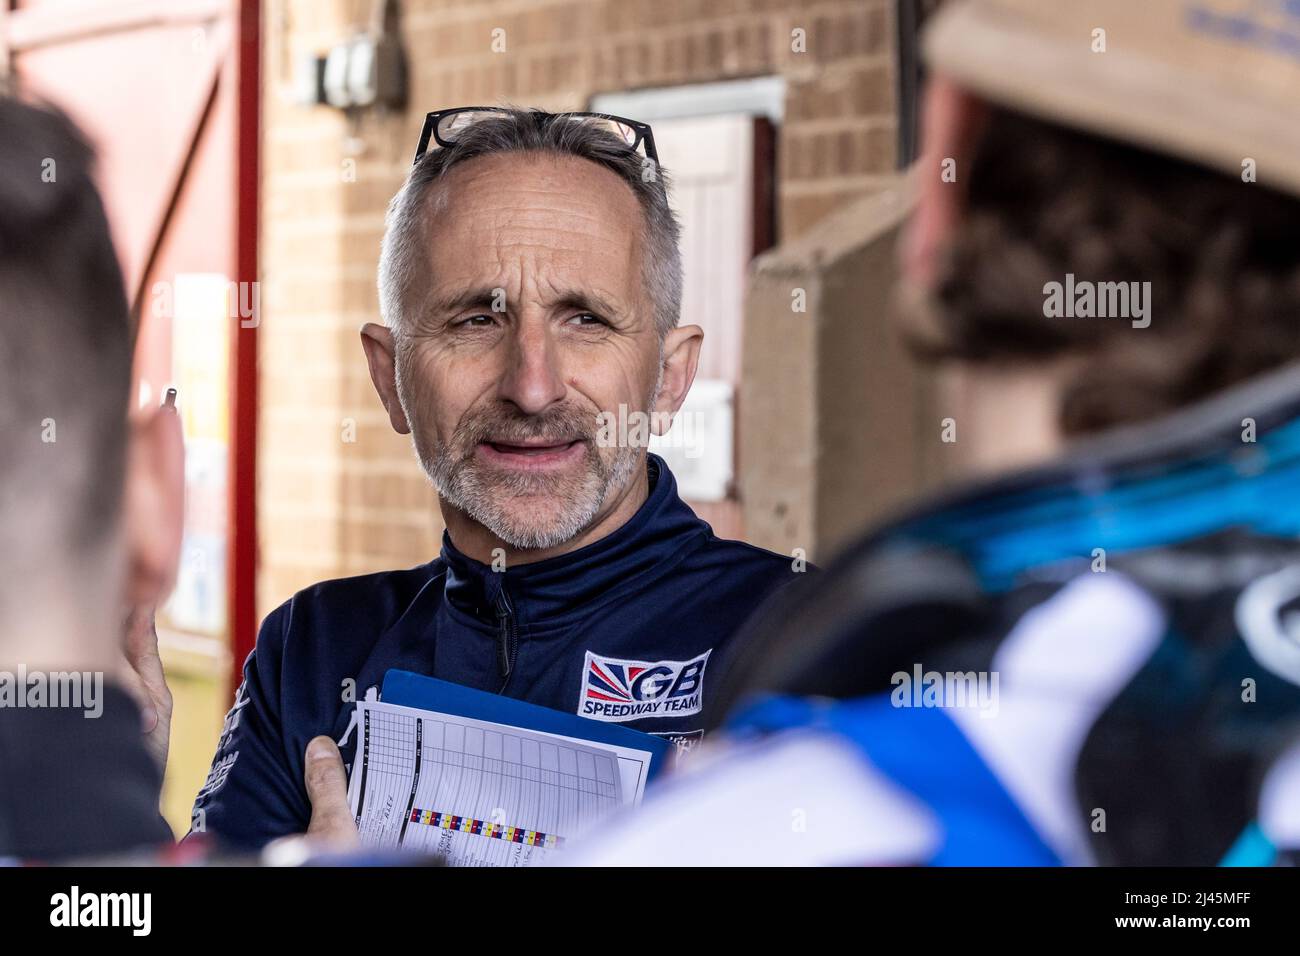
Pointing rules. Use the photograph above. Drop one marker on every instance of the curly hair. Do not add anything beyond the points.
(1222, 256)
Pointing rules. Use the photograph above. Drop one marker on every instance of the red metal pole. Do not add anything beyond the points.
(241, 559)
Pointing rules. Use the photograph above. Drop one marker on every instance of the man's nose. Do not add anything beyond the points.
(532, 379)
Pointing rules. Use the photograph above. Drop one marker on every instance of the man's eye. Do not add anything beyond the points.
(475, 322)
(587, 319)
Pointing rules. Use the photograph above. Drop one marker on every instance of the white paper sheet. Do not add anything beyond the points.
(480, 793)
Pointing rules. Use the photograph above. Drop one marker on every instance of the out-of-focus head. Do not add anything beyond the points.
(529, 282)
(67, 533)
(1136, 161)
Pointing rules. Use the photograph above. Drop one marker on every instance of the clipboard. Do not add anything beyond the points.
(408, 689)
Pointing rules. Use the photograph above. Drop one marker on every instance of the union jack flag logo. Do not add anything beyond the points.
(644, 688)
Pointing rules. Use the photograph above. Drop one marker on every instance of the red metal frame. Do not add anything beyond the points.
(242, 551)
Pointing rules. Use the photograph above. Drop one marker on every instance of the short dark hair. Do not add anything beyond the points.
(534, 131)
(1222, 256)
(66, 338)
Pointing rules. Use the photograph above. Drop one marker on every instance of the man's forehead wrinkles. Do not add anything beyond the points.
(544, 235)
(548, 194)
(544, 258)
(590, 231)
(545, 209)
(557, 288)
(537, 284)
(552, 242)
(506, 174)
(511, 263)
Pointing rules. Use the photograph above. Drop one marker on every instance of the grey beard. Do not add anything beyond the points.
(463, 483)
(485, 498)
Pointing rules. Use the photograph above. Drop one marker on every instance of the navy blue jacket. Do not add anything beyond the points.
(634, 628)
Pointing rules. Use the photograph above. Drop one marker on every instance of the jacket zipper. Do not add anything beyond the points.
(507, 638)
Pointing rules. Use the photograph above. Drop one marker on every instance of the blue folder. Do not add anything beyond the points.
(407, 689)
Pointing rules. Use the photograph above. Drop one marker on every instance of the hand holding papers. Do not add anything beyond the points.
(487, 780)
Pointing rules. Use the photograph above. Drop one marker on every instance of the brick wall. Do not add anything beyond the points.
(338, 492)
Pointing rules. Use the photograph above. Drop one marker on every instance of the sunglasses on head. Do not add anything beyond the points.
(444, 127)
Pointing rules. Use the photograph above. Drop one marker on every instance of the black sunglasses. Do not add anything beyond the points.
(444, 126)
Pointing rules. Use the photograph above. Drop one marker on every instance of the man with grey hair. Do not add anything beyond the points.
(530, 287)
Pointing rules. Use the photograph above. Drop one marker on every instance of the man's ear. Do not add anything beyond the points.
(377, 341)
(154, 505)
(681, 357)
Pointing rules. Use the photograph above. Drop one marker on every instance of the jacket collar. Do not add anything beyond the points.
(660, 532)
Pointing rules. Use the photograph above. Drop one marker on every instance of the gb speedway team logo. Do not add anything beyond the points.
(616, 690)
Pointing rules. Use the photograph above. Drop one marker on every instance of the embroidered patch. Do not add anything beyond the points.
(615, 690)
